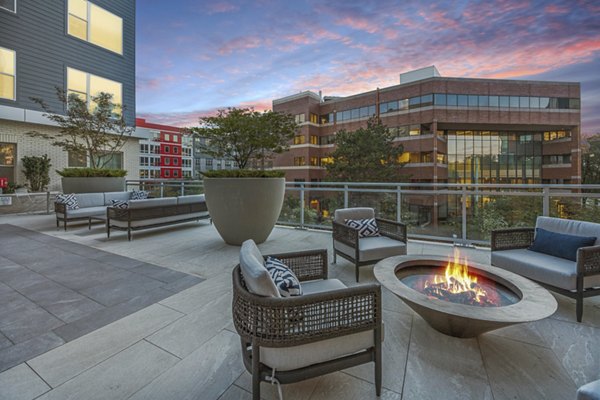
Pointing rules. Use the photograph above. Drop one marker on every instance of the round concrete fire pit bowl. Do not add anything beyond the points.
(459, 320)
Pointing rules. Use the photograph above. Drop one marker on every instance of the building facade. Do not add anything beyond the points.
(165, 152)
(453, 130)
(205, 162)
(83, 47)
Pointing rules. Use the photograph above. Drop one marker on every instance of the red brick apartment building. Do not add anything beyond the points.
(164, 152)
(455, 130)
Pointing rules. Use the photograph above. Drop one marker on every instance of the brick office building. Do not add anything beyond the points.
(455, 130)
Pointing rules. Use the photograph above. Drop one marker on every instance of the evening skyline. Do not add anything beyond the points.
(196, 57)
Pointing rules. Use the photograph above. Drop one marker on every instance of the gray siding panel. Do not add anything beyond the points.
(38, 33)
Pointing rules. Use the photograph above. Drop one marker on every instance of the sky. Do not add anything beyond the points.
(197, 56)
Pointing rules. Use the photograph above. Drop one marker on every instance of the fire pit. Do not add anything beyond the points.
(464, 299)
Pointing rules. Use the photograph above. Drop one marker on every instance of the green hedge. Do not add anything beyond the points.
(91, 172)
(243, 173)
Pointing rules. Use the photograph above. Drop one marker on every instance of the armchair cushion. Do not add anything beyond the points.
(321, 285)
(374, 248)
(353, 213)
(255, 274)
(70, 200)
(543, 268)
(589, 391)
(289, 358)
(560, 244)
(366, 227)
(284, 278)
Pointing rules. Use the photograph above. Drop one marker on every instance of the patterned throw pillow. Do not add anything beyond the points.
(139, 194)
(286, 281)
(70, 200)
(120, 204)
(366, 227)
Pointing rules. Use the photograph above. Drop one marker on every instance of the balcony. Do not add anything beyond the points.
(161, 327)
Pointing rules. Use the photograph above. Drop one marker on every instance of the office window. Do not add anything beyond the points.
(503, 100)
(493, 101)
(10, 5)
(463, 100)
(76, 159)
(314, 161)
(472, 100)
(534, 102)
(414, 102)
(483, 101)
(94, 24)
(299, 139)
(8, 73)
(439, 99)
(314, 139)
(86, 86)
(514, 101)
(364, 112)
(524, 102)
(314, 118)
(451, 100)
(299, 161)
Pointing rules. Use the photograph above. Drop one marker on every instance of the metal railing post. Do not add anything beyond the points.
(162, 190)
(182, 190)
(546, 202)
(302, 205)
(464, 213)
(345, 196)
(398, 205)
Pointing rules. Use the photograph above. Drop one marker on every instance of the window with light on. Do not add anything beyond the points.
(94, 24)
(86, 86)
(8, 72)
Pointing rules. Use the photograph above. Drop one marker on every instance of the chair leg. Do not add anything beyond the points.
(378, 374)
(357, 272)
(579, 307)
(255, 373)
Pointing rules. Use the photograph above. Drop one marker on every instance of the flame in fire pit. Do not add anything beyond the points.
(458, 286)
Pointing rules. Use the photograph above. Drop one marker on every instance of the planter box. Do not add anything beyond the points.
(92, 184)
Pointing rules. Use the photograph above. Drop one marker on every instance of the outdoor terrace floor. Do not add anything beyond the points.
(182, 345)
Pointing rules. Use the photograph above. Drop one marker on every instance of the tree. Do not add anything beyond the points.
(37, 171)
(590, 161)
(366, 155)
(97, 131)
(244, 135)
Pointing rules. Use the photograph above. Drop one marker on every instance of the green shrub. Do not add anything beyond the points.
(243, 173)
(91, 172)
(37, 171)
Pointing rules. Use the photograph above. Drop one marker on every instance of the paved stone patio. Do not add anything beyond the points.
(185, 347)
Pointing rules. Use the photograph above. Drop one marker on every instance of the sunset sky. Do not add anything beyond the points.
(194, 57)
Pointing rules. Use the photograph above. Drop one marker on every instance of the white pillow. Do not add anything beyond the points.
(256, 276)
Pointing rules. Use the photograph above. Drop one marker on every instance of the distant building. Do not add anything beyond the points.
(455, 130)
(204, 162)
(83, 47)
(165, 152)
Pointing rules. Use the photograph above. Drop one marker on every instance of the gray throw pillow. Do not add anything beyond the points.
(256, 276)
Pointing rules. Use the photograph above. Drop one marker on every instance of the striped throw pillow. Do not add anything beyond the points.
(120, 204)
(70, 200)
(285, 280)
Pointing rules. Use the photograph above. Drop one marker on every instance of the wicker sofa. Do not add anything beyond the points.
(328, 328)
(576, 279)
(90, 205)
(151, 213)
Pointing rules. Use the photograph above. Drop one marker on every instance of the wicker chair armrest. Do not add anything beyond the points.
(588, 260)
(284, 322)
(60, 208)
(392, 229)
(345, 234)
(307, 265)
(512, 238)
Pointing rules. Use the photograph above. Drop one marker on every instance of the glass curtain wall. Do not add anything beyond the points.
(494, 157)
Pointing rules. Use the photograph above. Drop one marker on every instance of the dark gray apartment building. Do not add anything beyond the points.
(84, 47)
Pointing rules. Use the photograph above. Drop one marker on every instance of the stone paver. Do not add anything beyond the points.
(21, 383)
(546, 359)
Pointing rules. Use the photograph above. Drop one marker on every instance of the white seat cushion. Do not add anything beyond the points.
(84, 212)
(374, 248)
(321, 285)
(589, 391)
(543, 268)
(289, 358)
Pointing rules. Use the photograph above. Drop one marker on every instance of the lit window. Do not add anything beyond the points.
(10, 5)
(299, 161)
(314, 118)
(300, 118)
(86, 86)
(299, 139)
(314, 139)
(94, 24)
(8, 73)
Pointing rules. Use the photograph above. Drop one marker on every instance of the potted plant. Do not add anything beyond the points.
(245, 204)
(95, 133)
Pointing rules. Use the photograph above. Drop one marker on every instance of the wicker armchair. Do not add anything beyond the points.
(577, 280)
(368, 250)
(286, 340)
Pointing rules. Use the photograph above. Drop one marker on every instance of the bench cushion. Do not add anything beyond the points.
(197, 198)
(90, 199)
(374, 248)
(543, 268)
(84, 212)
(589, 391)
(321, 285)
(110, 196)
(165, 201)
(157, 221)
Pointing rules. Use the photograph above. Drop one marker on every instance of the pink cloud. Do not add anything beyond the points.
(222, 7)
(241, 43)
(358, 23)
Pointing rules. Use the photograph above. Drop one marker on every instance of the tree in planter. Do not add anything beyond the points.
(366, 155)
(590, 161)
(37, 171)
(97, 131)
(245, 135)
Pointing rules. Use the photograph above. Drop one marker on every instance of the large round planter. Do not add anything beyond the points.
(244, 208)
(92, 184)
